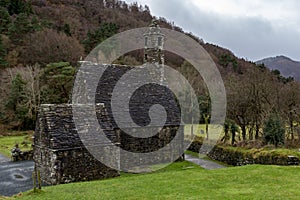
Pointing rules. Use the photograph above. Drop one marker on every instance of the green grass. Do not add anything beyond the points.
(185, 181)
(194, 154)
(182, 180)
(8, 142)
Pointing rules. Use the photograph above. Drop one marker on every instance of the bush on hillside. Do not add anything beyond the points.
(274, 130)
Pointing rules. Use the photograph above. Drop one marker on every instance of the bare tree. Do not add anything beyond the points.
(28, 99)
(50, 46)
(290, 105)
(262, 93)
(31, 75)
(238, 102)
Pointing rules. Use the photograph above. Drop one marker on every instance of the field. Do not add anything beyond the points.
(185, 181)
(8, 142)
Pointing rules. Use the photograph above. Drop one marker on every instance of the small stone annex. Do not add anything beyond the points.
(59, 154)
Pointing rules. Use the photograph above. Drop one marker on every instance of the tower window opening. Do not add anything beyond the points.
(159, 41)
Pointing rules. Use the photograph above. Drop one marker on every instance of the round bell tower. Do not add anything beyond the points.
(154, 44)
(154, 48)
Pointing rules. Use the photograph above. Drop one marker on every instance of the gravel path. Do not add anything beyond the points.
(206, 164)
(15, 177)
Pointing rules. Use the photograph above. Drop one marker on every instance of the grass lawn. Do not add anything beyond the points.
(185, 181)
(8, 142)
(182, 180)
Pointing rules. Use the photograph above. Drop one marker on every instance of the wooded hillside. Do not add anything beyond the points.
(42, 40)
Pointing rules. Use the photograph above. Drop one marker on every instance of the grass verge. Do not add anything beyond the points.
(185, 181)
(8, 142)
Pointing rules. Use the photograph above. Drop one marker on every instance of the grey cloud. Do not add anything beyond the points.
(248, 37)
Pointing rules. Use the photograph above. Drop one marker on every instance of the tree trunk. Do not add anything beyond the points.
(244, 132)
(257, 132)
(206, 129)
(292, 128)
(251, 133)
(206, 118)
(233, 137)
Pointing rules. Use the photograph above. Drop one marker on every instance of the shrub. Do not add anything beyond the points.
(274, 130)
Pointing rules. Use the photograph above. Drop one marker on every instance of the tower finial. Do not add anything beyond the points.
(154, 23)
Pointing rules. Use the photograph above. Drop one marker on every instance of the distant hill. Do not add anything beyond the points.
(285, 65)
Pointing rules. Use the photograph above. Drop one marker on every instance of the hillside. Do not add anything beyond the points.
(79, 25)
(285, 65)
(42, 40)
(36, 33)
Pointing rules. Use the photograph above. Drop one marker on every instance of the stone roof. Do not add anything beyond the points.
(136, 112)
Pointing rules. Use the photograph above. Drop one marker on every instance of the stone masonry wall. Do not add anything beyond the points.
(160, 141)
(139, 105)
(59, 154)
(238, 158)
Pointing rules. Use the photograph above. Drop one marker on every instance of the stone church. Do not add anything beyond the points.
(59, 153)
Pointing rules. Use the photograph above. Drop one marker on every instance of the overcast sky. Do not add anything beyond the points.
(252, 29)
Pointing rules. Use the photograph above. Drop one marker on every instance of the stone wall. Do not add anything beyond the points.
(160, 141)
(23, 156)
(239, 158)
(59, 154)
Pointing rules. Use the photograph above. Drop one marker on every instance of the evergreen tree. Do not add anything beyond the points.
(58, 82)
(274, 130)
(20, 27)
(4, 3)
(5, 20)
(35, 24)
(15, 96)
(19, 6)
(94, 38)
(3, 62)
(23, 98)
(67, 30)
